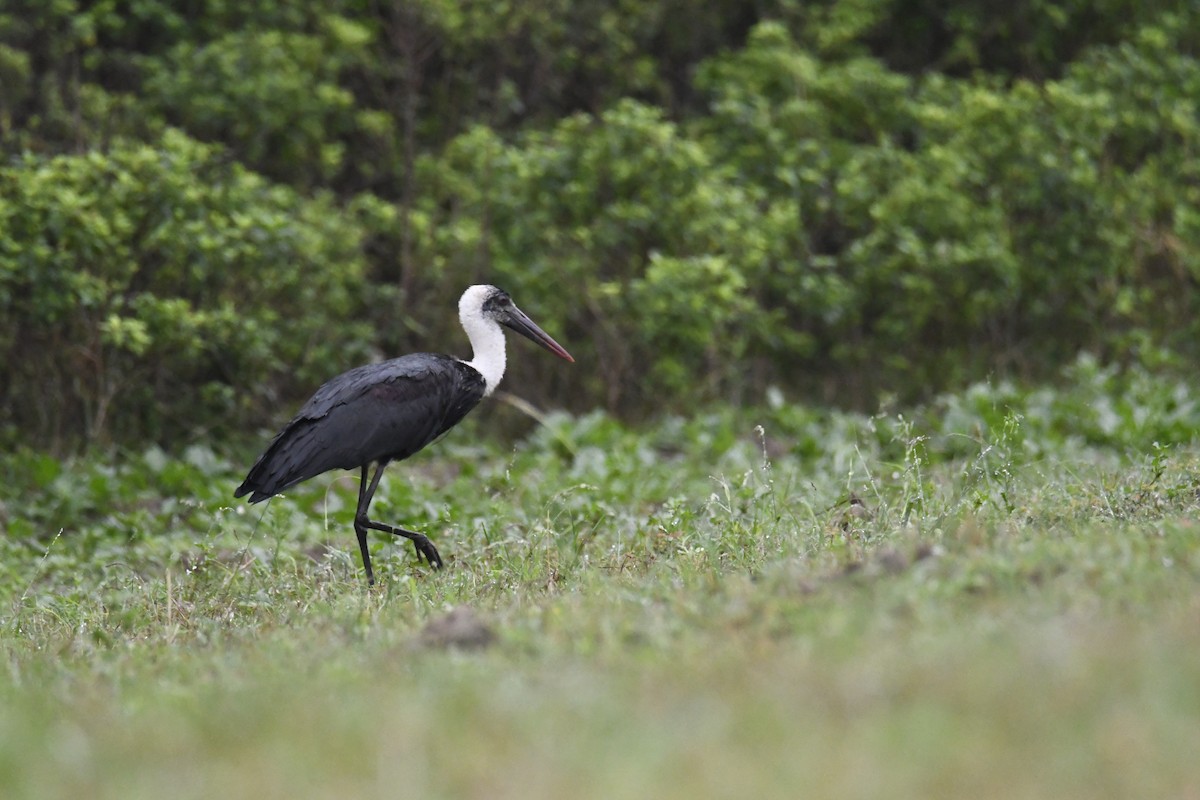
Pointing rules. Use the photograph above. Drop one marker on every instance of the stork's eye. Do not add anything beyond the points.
(503, 301)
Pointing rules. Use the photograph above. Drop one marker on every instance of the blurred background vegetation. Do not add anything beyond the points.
(206, 208)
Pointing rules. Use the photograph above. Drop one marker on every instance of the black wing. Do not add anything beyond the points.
(385, 411)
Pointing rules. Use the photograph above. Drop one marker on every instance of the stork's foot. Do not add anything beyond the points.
(426, 550)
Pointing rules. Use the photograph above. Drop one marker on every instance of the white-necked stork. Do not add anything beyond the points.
(385, 412)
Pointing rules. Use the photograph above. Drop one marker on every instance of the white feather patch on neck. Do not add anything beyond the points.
(487, 339)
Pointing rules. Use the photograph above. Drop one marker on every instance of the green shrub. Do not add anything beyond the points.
(844, 201)
(272, 96)
(154, 290)
(613, 227)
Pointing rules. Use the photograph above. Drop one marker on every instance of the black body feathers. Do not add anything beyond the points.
(374, 413)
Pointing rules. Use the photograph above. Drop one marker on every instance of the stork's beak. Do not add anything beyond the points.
(523, 325)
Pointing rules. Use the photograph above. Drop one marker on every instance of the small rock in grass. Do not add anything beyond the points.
(892, 560)
(460, 628)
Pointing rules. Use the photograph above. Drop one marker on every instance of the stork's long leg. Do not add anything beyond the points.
(366, 491)
(361, 529)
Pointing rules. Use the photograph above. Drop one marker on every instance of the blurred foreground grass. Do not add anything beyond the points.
(691, 610)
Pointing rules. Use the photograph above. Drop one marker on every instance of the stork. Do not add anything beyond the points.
(385, 412)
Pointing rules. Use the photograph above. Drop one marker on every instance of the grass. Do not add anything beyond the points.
(687, 610)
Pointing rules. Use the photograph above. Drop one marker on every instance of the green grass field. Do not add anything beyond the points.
(688, 610)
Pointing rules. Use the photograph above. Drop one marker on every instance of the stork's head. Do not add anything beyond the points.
(484, 302)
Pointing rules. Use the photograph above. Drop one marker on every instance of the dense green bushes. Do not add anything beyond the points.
(157, 288)
(781, 194)
(838, 222)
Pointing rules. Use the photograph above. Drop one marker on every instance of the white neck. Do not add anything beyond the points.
(487, 345)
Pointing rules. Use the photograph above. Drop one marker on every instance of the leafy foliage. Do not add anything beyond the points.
(138, 287)
(288, 123)
(594, 485)
(847, 201)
